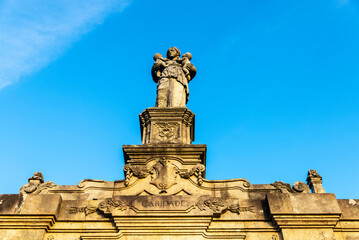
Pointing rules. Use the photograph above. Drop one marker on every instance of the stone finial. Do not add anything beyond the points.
(314, 181)
(172, 75)
(36, 184)
(37, 177)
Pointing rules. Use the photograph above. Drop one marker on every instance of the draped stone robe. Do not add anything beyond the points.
(172, 86)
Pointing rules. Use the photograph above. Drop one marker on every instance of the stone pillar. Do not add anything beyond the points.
(304, 216)
(167, 125)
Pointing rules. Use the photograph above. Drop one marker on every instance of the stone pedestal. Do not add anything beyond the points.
(167, 125)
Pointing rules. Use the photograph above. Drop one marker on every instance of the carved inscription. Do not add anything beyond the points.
(207, 204)
(164, 203)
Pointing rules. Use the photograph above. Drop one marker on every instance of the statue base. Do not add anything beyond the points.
(167, 125)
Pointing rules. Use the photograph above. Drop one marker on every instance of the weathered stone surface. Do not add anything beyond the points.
(298, 203)
(349, 208)
(44, 204)
(10, 203)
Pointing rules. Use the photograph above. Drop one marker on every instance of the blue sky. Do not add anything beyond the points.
(276, 91)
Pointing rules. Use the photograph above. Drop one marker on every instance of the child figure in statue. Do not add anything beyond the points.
(160, 62)
(186, 64)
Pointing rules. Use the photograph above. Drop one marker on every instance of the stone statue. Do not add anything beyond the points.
(172, 75)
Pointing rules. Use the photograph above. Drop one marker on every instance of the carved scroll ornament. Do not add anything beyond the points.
(298, 187)
(163, 173)
(109, 205)
(220, 205)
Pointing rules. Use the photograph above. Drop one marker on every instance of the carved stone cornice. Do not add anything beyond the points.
(192, 154)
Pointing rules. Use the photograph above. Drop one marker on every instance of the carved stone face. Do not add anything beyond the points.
(173, 53)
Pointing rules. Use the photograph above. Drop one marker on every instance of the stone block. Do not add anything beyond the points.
(42, 204)
(303, 203)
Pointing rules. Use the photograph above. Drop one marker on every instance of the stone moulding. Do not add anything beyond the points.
(27, 221)
(185, 154)
(85, 182)
(240, 184)
(184, 228)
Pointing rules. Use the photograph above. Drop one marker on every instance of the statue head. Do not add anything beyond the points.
(187, 55)
(157, 56)
(173, 53)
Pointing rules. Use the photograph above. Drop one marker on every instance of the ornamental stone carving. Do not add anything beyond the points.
(36, 184)
(220, 205)
(87, 210)
(164, 173)
(197, 171)
(167, 131)
(110, 205)
(298, 187)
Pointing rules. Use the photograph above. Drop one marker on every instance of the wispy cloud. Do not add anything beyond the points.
(35, 32)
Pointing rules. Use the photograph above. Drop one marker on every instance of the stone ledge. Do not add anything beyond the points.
(26, 221)
(191, 154)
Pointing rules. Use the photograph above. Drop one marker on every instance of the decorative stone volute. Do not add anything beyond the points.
(167, 125)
